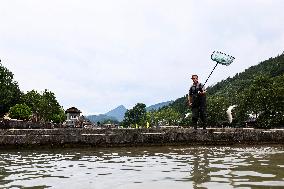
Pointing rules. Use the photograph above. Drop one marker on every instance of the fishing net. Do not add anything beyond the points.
(222, 58)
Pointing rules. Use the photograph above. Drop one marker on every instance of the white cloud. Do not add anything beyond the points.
(96, 55)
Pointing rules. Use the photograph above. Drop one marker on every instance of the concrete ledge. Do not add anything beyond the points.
(138, 137)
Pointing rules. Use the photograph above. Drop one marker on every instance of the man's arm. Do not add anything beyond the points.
(189, 97)
(190, 100)
(202, 90)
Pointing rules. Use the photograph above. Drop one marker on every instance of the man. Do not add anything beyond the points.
(197, 102)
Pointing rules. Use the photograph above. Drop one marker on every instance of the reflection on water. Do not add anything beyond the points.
(144, 167)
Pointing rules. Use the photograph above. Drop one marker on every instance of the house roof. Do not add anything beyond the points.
(72, 110)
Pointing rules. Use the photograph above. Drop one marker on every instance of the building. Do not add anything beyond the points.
(72, 116)
(72, 113)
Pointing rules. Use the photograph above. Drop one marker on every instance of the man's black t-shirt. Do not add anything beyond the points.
(197, 99)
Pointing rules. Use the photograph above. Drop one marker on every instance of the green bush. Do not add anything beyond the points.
(20, 111)
(60, 117)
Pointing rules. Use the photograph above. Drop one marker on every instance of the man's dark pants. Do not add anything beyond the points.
(199, 112)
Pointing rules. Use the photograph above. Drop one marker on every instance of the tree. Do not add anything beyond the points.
(216, 109)
(136, 115)
(165, 116)
(48, 106)
(180, 105)
(20, 111)
(59, 117)
(9, 90)
(44, 106)
(153, 117)
(33, 100)
(276, 102)
(110, 121)
(264, 99)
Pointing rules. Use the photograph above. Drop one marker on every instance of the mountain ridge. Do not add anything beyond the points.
(117, 114)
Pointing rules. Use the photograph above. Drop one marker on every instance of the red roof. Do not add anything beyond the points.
(72, 110)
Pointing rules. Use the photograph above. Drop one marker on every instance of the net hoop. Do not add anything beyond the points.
(222, 58)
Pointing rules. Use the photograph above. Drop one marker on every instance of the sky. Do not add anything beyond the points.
(96, 55)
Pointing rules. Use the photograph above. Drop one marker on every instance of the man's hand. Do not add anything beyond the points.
(190, 104)
(202, 92)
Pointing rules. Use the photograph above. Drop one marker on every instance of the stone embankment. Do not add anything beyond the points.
(67, 137)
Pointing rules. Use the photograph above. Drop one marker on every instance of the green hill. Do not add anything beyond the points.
(272, 67)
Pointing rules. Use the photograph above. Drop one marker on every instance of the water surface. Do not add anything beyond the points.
(144, 167)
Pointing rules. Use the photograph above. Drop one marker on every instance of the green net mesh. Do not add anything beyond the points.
(222, 58)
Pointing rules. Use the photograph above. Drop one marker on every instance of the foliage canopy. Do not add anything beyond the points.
(10, 93)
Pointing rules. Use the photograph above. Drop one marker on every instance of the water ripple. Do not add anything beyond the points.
(144, 167)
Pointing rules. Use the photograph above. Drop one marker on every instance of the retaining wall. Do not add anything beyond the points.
(136, 137)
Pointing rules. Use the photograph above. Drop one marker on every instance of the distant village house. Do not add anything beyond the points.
(72, 113)
(72, 116)
(74, 119)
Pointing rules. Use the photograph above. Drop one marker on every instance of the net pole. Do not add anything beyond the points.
(209, 75)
